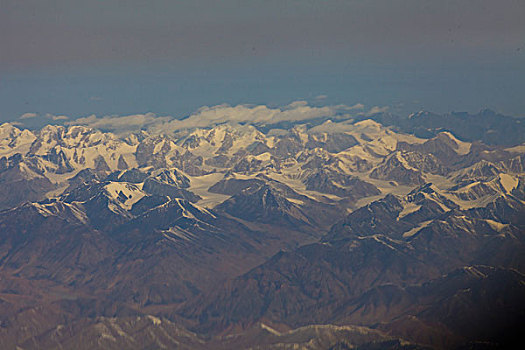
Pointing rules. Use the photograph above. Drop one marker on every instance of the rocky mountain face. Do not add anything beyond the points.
(486, 126)
(328, 235)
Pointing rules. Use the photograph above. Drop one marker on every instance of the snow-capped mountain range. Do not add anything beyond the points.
(301, 225)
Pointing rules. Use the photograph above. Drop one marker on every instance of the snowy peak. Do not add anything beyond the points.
(480, 171)
(399, 167)
(325, 180)
(71, 212)
(449, 139)
(123, 195)
(172, 177)
(223, 139)
(14, 140)
(264, 200)
(426, 203)
(421, 114)
(480, 190)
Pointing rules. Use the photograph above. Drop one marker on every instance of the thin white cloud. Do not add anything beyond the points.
(296, 104)
(321, 97)
(56, 117)
(28, 116)
(377, 109)
(17, 124)
(357, 106)
(120, 124)
(206, 117)
(260, 114)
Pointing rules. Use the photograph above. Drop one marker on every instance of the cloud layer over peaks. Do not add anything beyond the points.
(260, 114)
(28, 116)
(209, 116)
(121, 124)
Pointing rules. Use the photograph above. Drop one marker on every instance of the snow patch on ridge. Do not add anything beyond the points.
(124, 193)
(508, 182)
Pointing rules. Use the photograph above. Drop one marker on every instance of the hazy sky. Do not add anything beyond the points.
(170, 57)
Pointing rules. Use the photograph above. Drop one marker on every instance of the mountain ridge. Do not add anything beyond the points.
(234, 235)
